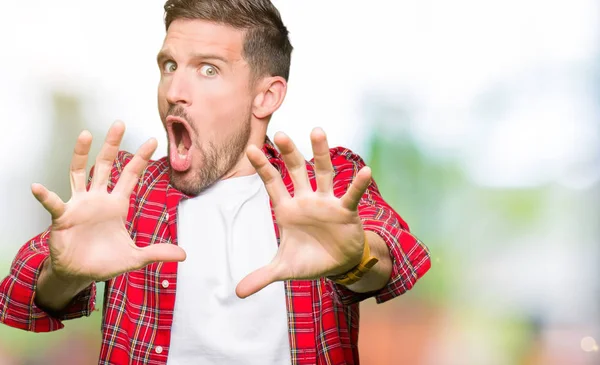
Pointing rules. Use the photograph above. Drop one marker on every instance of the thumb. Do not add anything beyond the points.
(51, 202)
(256, 281)
(161, 252)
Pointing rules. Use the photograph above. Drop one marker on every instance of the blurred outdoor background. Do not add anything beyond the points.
(480, 119)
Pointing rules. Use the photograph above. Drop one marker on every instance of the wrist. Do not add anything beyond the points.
(356, 272)
(51, 278)
(380, 274)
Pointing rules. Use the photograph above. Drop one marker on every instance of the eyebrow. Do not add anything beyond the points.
(165, 55)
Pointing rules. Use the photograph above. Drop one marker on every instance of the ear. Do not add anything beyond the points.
(271, 92)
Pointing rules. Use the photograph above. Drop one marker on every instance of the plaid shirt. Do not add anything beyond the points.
(323, 316)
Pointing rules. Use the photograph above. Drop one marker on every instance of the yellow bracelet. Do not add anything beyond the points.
(356, 273)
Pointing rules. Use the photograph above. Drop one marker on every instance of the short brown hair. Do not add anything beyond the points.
(267, 47)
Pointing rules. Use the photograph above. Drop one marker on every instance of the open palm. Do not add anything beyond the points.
(88, 238)
(320, 234)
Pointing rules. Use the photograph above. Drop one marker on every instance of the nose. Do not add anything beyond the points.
(178, 90)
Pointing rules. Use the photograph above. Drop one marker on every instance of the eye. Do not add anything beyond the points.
(170, 66)
(208, 71)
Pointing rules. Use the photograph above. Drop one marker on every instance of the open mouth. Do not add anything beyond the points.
(182, 139)
(180, 143)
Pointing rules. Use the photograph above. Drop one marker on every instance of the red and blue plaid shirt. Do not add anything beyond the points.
(323, 316)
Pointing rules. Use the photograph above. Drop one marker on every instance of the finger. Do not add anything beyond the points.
(107, 156)
(294, 161)
(51, 202)
(160, 252)
(79, 162)
(131, 173)
(323, 166)
(357, 189)
(269, 175)
(255, 282)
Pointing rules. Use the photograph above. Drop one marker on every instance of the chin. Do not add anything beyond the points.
(183, 183)
(191, 182)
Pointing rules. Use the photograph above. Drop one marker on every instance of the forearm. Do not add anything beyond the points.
(54, 293)
(380, 273)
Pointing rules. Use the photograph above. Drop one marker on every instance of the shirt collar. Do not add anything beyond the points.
(271, 152)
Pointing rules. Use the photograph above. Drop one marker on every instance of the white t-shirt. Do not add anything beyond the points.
(227, 232)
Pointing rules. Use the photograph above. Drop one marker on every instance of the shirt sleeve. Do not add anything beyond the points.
(17, 290)
(410, 257)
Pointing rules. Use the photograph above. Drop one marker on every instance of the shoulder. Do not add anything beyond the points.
(155, 170)
(345, 162)
(341, 156)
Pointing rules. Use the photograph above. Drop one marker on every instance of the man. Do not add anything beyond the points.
(228, 250)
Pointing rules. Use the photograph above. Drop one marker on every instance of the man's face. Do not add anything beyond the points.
(204, 101)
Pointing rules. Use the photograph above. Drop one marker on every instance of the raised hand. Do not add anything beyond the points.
(88, 239)
(321, 234)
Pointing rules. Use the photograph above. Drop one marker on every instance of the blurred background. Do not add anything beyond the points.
(480, 120)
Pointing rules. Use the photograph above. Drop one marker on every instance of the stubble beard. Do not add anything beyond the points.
(216, 160)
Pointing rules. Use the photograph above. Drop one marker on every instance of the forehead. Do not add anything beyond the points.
(185, 37)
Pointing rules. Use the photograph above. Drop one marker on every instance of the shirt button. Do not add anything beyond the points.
(167, 216)
(165, 284)
(158, 349)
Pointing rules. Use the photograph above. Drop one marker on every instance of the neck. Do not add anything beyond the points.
(243, 167)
